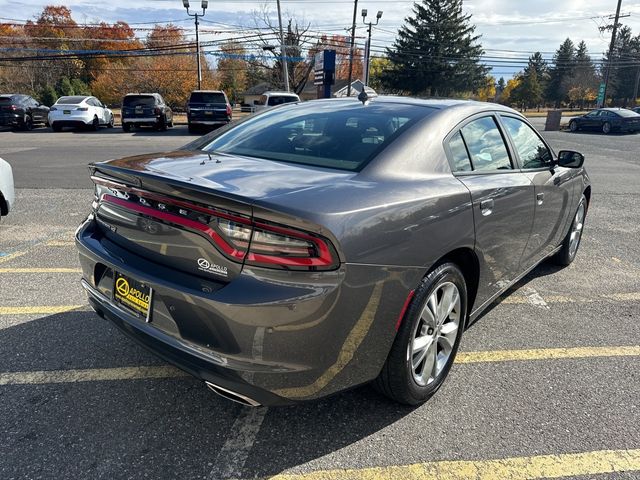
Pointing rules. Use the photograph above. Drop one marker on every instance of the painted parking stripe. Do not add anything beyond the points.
(10, 256)
(89, 375)
(516, 299)
(538, 467)
(38, 310)
(40, 270)
(546, 354)
(60, 243)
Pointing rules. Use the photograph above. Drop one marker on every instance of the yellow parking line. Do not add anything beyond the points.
(42, 310)
(538, 467)
(546, 354)
(91, 375)
(516, 299)
(40, 270)
(60, 243)
(11, 256)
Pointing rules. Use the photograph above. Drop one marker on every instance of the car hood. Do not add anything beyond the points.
(235, 176)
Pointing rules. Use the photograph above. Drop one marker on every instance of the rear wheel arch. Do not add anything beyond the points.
(467, 261)
(4, 208)
(587, 194)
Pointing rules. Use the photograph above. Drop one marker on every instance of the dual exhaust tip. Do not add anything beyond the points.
(231, 395)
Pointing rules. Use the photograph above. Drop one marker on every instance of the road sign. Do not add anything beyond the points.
(601, 95)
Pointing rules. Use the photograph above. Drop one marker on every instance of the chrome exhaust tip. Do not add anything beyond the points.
(231, 395)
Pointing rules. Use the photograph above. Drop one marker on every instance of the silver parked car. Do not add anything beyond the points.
(322, 245)
(7, 193)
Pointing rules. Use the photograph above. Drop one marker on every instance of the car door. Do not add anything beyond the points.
(551, 185)
(590, 120)
(502, 199)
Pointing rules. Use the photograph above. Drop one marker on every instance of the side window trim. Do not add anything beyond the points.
(512, 147)
(515, 166)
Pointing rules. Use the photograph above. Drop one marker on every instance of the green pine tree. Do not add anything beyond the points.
(436, 52)
(563, 63)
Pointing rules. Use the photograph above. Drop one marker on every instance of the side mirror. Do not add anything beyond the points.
(570, 159)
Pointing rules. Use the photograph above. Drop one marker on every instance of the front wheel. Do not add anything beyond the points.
(571, 242)
(27, 123)
(606, 128)
(111, 122)
(428, 339)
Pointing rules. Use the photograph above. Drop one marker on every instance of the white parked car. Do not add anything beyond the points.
(271, 99)
(7, 195)
(79, 111)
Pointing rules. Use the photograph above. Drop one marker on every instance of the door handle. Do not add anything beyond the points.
(540, 198)
(486, 207)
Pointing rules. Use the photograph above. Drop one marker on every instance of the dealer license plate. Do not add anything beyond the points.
(134, 295)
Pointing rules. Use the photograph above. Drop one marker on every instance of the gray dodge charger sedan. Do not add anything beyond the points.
(323, 245)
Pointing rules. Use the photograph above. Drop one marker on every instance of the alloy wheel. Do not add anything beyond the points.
(435, 334)
(576, 230)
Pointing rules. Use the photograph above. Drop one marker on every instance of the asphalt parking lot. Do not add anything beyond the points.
(547, 384)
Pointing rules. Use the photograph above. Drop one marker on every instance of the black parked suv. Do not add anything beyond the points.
(209, 108)
(22, 111)
(145, 109)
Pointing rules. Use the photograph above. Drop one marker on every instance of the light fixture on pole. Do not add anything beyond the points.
(367, 53)
(204, 5)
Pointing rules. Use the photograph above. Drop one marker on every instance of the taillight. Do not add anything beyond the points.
(229, 111)
(239, 238)
(157, 110)
(13, 107)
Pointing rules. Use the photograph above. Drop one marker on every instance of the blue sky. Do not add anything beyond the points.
(508, 27)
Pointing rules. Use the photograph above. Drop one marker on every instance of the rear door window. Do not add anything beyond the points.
(461, 160)
(486, 146)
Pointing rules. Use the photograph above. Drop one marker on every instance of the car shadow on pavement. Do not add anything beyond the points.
(108, 427)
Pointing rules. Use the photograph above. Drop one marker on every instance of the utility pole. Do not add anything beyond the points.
(205, 4)
(611, 47)
(283, 52)
(353, 39)
(367, 52)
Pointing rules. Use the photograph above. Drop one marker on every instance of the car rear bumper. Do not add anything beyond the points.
(273, 336)
(209, 122)
(11, 120)
(141, 120)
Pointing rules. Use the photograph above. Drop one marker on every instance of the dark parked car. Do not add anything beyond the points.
(22, 111)
(607, 120)
(145, 110)
(209, 108)
(322, 245)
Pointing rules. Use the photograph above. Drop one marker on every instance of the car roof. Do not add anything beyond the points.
(207, 91)
(281, 93)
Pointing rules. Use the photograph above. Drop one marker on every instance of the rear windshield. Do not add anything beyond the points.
(70, 100)
(320, 134)
(133, 100)
(5, 101)
(280, 99)
(623, 112)
(207, 97)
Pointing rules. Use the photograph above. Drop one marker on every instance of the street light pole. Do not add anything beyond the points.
(367, 54)
(353, 39)
(611, 47)
(283, 54)
(205, 4)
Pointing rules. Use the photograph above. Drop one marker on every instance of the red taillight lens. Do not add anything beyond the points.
(239, 238)
(158, 111)
(13, 107)
(229, 111)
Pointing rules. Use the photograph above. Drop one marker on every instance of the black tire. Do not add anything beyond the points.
(397, 379)
(606, 128)
(95, 125)
(27, 123)
(573, 126)
(567, 253)
(56, 128)
(126, 127)
(162, 125)
(191, 128)
(111, 122)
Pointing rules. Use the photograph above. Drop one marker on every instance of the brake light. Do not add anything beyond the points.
(13, 107)
(157, 110)
(229, 111)
(239, 238)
